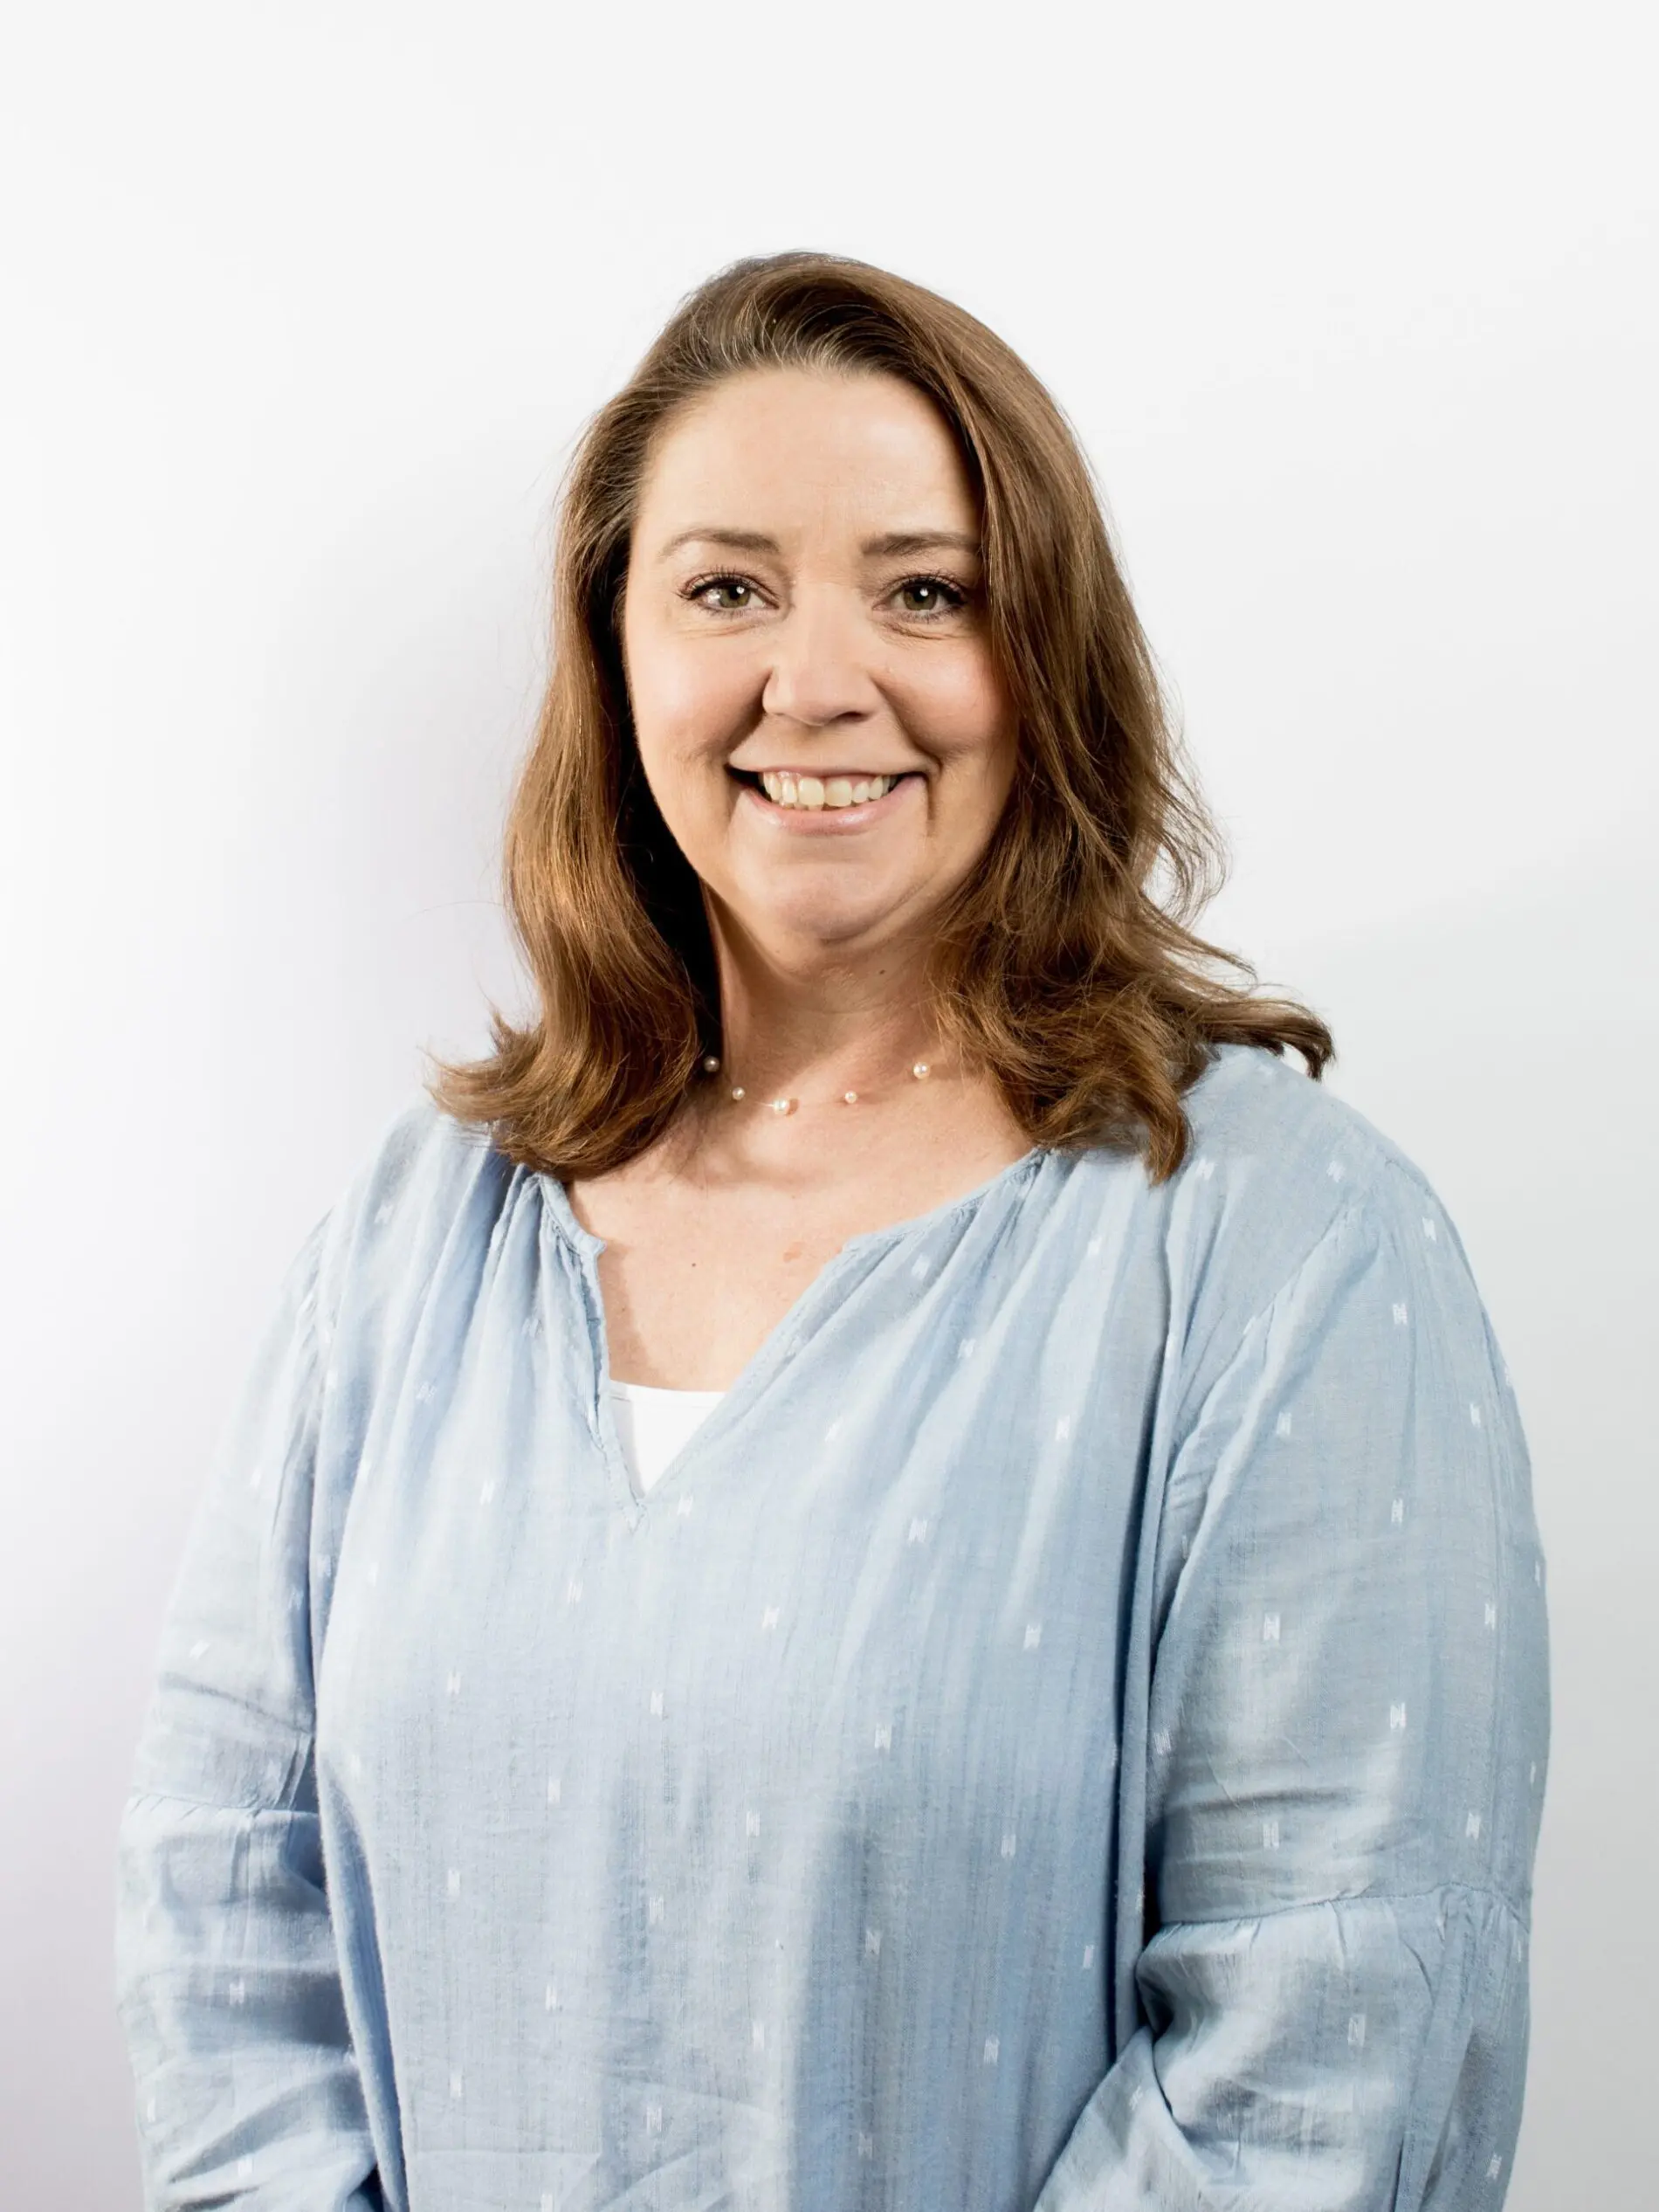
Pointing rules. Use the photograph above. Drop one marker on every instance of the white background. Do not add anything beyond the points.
(1354, 309)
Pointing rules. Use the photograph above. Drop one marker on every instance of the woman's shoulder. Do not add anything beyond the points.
(426, 1188)
(1278, 1167)
(1257, 1115)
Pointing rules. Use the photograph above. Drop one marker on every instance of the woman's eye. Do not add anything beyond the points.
(929, 595)
(724, 594)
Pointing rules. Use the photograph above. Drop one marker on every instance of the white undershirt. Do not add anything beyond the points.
(652, 1425)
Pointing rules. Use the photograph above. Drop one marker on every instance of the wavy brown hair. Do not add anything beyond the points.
(1066, 966)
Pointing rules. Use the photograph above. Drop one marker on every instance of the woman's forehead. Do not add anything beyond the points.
(785, 451)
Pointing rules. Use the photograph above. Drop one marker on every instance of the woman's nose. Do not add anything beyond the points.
(820, 671)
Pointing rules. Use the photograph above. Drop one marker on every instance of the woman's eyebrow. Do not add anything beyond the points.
(901, 542)
(891, 544)
(740, 540)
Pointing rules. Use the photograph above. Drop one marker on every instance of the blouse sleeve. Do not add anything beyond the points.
(228, 1988)
(1344, 1731)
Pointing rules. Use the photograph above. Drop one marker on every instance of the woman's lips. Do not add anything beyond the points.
(830, 820)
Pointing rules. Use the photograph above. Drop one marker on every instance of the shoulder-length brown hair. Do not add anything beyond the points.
(1066, 966)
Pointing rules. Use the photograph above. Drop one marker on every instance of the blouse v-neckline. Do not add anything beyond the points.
(776, 1349)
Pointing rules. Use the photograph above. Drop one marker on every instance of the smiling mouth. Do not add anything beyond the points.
(813, 793)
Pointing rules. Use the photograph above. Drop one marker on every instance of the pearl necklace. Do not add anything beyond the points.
(920, 1072)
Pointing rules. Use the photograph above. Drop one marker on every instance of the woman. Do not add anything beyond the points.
(885, 1562)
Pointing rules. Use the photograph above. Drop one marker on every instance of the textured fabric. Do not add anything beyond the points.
(1066, 1733)
(653, 1426)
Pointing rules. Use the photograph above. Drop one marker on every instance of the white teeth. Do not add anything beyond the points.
(785, 789)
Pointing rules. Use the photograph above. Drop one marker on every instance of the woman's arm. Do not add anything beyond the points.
(228, 1986)
(1345, 1735)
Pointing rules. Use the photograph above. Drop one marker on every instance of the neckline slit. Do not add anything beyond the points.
(780, 1343)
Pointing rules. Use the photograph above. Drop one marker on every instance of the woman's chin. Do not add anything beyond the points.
(833, 924)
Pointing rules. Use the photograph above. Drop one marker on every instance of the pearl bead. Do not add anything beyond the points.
(919, 1070)
(784, 1106)
(710, 1064)
(739, 1092)
(849, 1097)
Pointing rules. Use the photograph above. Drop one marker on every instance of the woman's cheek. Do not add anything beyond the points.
(959, 703)
(692, 705)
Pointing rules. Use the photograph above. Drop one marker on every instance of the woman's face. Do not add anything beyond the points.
(807, 658)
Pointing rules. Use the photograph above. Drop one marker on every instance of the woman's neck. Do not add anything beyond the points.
(825, 1022)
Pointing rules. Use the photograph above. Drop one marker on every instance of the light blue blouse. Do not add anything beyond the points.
(1067, 1732)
